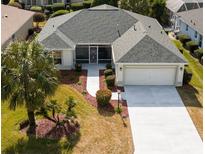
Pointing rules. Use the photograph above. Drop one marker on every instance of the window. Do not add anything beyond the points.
(82, 54)
(104, 54)
(187, 27)
(195, 35)
(57, 57)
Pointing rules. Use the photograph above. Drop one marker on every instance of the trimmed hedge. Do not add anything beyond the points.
(36, 9)
(187, 75)
(108, 66)
(110, 80)
(87, 4)
(15, 4)
(58, 6)
(103, 97)
(108, 72)
(49, 8)
(198, 53)
(191, 46)
(183, 38)
(59, 12)
(76, 6)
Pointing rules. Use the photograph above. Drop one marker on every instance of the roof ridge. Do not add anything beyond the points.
(65, 38)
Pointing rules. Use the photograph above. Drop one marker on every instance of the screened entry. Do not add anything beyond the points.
(93, 54)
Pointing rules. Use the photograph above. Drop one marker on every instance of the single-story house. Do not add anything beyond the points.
(191, 23)
(137, 45)
(15, 24)
(175, 6)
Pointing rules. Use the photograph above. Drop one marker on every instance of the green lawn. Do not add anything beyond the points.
(194, 66)
(99, 133)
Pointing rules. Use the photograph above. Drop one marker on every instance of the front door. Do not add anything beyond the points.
(93, 54)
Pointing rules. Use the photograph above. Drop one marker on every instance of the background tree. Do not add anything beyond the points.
(158, 10)
(137, 6)
(28, 77)
(153, 8)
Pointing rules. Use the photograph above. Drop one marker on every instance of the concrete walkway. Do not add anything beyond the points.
(93, 79)
(159, 121)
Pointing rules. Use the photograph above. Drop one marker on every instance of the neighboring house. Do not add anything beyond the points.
(29, 3)
(191, 23)
(175, 6)
(137, 45)
(15, 24)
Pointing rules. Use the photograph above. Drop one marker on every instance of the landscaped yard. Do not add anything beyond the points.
(99, 133)
(192, 94)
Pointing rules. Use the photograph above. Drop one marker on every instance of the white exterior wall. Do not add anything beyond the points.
(66, 59)
(120, 73)
(190, 32)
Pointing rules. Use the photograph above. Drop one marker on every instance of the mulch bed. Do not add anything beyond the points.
(103, 84)
(73, 78)
(48, 129)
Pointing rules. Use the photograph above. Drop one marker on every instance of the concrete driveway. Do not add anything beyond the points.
(160, 122)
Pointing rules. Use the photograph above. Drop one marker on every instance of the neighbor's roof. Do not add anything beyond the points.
(111, 25)
(183, 5)
(193, 18)
(12, 19)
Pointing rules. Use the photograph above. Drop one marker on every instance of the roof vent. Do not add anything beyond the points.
(191, 21)
(5, 16)
(194, 23)
(149, 26)
(53, 26)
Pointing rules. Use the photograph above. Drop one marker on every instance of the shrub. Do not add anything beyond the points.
(49, 7)
(187, 75)
(109, 66)
(108, 72)
(87, 4)
(78, 67)
(59, 12)
(58, 6)
(198, 53)
(184, 38)
(103, 97)
(191, 46)
(110, 80)
(76, 6)
(15, 4)
(36, 9)
(39, 17)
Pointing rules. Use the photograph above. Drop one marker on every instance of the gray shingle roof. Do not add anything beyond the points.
(53, 41)
(97, 26)
(193, 18)
(147, 50)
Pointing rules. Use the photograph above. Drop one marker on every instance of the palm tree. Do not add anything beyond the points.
(28, 77)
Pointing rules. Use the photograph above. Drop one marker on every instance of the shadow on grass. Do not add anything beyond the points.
(188, 96)
(107, 110)
(34, 145)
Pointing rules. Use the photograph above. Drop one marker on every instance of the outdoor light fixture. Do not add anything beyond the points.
(181, 68)
(120, 68)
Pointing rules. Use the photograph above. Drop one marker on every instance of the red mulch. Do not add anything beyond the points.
(48, 129)
(72, 78)
(103, 84)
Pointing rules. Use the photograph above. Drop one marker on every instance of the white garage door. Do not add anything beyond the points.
(149, 75)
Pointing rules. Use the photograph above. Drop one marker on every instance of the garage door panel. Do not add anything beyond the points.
(149, 76)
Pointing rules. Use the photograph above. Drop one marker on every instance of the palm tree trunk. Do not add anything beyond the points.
(32, 122)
